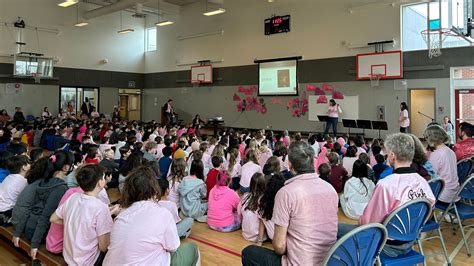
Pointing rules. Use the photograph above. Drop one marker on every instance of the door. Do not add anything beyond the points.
(421, 110)
(123, 106)
(464, 107)
(134, 107)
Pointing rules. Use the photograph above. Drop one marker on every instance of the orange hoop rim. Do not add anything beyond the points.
(443, 31)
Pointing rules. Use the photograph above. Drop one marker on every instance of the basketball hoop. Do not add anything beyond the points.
(434, 40)
(37, 77)
(375, 79)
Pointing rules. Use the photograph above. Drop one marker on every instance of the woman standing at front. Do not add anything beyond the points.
(404, 121)
(333, 117)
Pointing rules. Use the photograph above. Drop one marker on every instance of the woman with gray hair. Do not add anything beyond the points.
(443, 160)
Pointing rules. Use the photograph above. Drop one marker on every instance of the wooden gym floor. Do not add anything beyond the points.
(224, 248)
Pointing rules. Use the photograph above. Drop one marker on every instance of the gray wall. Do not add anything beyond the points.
(217, 101)
(108, 98)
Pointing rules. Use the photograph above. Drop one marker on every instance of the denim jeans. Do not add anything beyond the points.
(254, 255)
(332, 121)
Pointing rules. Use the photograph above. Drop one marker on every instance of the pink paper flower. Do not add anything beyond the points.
(242, 89)
(236, 97)
(337, 95)
(310, 88)
(318, 91)
(289, 104)
(327, 87)
(322, 99)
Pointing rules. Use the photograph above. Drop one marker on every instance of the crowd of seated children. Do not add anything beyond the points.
(222, 214)
(394, 190)
(18, 166)
(183, 225)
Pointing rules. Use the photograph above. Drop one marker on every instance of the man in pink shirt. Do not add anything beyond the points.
(305, 216)
(465, 148)
(395, 190)
(87, 220)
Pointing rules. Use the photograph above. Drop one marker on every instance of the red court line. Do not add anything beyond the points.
(215, 246)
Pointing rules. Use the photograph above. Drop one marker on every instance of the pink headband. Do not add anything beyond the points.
(53, 158)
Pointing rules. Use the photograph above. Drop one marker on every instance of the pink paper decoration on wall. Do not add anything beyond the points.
(289, 104)
(318, 91)
(322, 99)
(242, 89)
(337, 95)
(327, 87)
(310, 88)
(236, 97)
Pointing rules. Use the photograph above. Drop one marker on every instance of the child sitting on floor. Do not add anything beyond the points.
(248, 208)
(266, 205)
(87, 220)
(223, 201)
(324, 171)
(184, 225)
(338, 175)
(192, 191)
(12, 186)
(213, 173)
(177, 172)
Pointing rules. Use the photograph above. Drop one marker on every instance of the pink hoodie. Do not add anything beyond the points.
(342, 142)
(223, 203)
(322, 158)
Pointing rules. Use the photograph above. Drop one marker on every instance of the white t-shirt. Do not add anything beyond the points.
(143, 234)
(10, 188)
(356, 196)
(406, 122)
(348, 163)
(248, 170)
(85, 218)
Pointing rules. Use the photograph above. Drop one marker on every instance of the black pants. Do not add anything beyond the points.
(255, 255)
(332, 121)
(403, 129)
(169, 118)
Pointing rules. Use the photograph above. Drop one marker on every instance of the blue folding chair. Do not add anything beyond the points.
(404, 224)
(359, 247)
(462, 210)
(437, 186)
(464, 169)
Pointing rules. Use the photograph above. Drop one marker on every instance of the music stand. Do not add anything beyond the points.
(364, 124)
(322, 118)
(349, 123)
(380, 125)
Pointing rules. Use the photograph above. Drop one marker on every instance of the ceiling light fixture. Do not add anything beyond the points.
(162, 22)
(79, 23)
(122, 30)
(214, 12)
(68, 3)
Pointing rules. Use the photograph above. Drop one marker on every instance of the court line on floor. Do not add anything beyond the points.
(459, 246)
(214, 246)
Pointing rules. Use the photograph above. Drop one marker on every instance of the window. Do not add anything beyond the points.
(150, 39)
(415, 20)
(75, 96)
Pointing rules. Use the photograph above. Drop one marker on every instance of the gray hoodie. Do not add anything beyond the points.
(191, 192)
(34, 206)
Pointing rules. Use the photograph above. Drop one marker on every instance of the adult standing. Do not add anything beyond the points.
(18, 117)
(404, 120)
(169, 112)
(333, 117)
(305, 216)
(116, 114)
(46, 114)
(4, 117)
(465, 148)
(197, 121)
(86, 108)
(449, 128)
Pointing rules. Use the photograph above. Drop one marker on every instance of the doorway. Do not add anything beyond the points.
(130, 104)
(422, 110)
(76, 96)
(464, 106)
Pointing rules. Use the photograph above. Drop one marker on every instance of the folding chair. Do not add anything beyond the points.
(360, 247)
(404, 224)
(461, 210)
(437, 186)
(464, 169)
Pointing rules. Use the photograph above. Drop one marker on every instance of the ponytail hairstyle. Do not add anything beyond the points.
(359, 170)
(178, 170)
(265, 208)
(257, 188)
(45, 167)
(251, 155)
(233, 156)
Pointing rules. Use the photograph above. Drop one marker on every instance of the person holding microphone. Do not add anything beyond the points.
(333, 117)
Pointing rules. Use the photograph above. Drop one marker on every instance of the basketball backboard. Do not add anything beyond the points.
(387, 65)
(201, 74)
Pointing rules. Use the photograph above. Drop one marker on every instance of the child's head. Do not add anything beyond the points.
(4, 157)
(359, 141)
(216, 161)
(35, 154)
(109, 154)
(364, 157)
(337, 147)
(167, 151)
(251, 155)
(223, 178)
(359, 169)
(324, 169)
(140, 185)
(91, 177)
(376, 149)
(178, 169)
(351, 151)
(125, 151)
(272, 166)
(17, 148)
(59, 163)
(150, 146)
(93, 152)
(197, 169)
(164, 186)
(333, 158)
(19, 164)
(257, 188)
(379, 158)
(267, 202)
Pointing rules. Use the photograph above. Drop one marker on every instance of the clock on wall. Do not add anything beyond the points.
(277, 24)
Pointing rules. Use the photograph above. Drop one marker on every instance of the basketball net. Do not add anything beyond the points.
(375, 79)
(434, 40)
(37, 77)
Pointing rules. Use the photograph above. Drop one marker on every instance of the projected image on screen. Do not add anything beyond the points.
(278, 78)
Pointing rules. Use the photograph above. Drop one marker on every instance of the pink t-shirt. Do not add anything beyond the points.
(223, 203)
(85, 218)
(394, 191)
(264, 157)
(333, 111)
(54, 239)
(248, 170)
(444, 164)
(173, 196)
(250, 220)
(307, 206)
(269, 227)
(10, 188)
(172, 208)
(143, 234)
(284, 163)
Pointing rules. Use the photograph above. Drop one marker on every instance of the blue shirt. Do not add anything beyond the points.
(164, 163)
(3, 174)
(388, 171)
